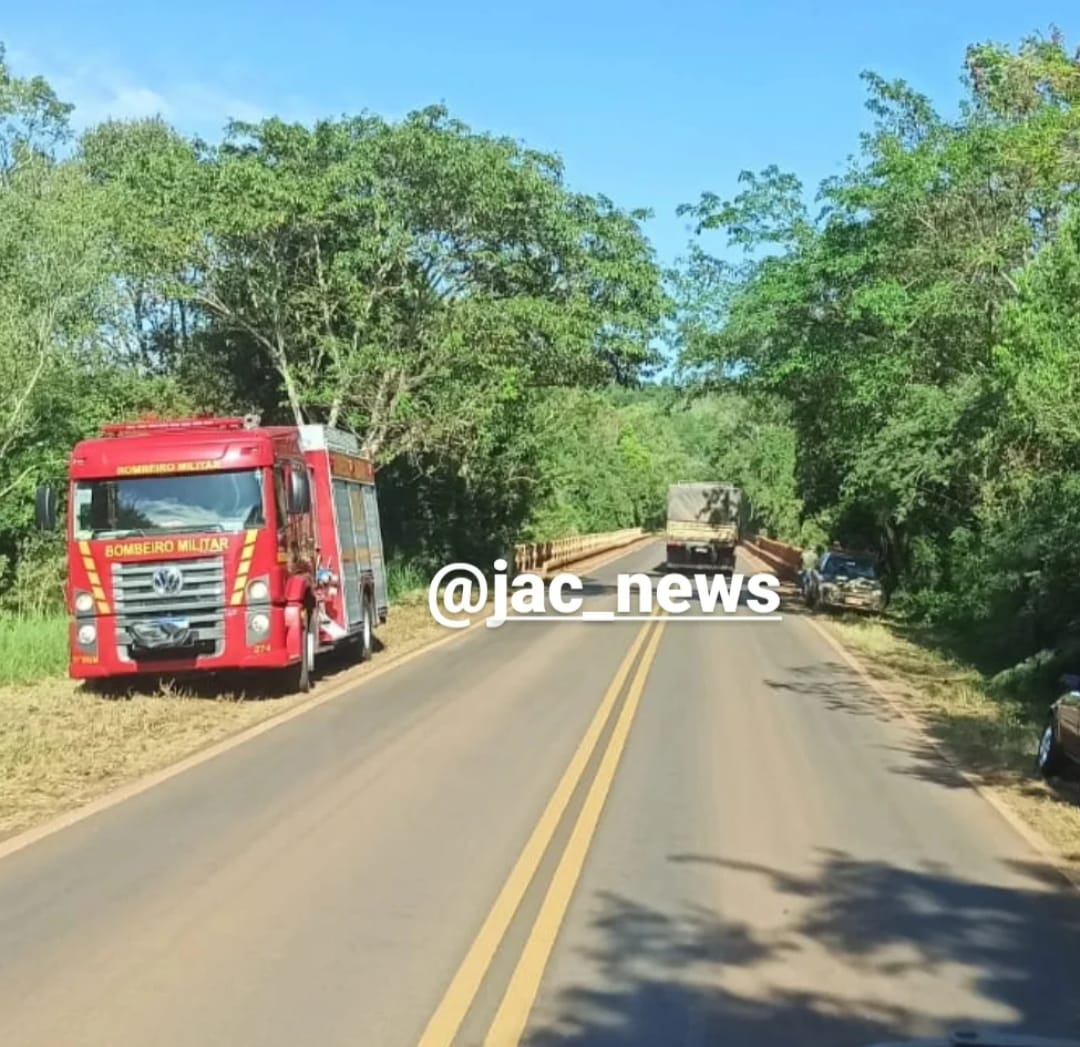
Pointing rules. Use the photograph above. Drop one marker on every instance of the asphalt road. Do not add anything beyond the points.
(663, 833)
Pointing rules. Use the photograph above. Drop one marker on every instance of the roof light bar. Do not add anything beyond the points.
(250, 421)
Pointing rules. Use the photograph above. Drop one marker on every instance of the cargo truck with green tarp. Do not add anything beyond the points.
(704, 524)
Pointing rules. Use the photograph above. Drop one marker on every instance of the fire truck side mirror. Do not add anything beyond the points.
(45, 509)
(299, 493)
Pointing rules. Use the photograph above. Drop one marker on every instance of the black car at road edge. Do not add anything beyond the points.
(1059, 745)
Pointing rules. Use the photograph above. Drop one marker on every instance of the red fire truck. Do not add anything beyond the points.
(212, 544)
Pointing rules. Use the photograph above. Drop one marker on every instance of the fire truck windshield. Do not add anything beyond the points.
(122, 507)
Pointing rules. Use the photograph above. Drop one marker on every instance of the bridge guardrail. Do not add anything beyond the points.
(785, 560)
(543, 556)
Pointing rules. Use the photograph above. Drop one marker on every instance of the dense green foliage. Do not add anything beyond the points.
(899, 367)
(923, 335)
(440, 292)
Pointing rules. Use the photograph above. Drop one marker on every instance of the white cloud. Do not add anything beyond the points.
(209, 103)
(121, 101)
(105, 94)
(101, 91)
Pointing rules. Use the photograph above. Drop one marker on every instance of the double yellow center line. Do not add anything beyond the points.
(509, 1023)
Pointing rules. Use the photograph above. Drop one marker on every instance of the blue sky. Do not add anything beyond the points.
(647, 103)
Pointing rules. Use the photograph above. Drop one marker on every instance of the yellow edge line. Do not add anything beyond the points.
(509, 1023)
(24, 839)
(444, 1024)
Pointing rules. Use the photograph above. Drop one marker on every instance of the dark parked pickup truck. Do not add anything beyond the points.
(844, 580)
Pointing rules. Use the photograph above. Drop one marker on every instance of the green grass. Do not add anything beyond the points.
(405, 578)
(32, 648)
(35, 647)
(989, 733)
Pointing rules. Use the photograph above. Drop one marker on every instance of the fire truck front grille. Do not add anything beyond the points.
(152, 605)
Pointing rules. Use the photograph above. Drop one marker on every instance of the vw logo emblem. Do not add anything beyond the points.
(167, 581)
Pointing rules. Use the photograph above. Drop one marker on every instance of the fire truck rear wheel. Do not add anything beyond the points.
(367, 631)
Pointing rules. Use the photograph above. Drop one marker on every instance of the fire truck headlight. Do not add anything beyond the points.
(84, 603)
(259, 624)
(87, 635)
(258, 591)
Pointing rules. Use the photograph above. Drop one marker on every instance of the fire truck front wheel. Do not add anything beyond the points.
(297, 677)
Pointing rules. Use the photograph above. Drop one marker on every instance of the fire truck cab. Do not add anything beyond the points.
(210, 544)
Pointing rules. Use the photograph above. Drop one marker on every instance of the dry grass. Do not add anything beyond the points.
(61, 745)
(991, 738)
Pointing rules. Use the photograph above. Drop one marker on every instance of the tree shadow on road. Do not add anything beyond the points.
(835, 687)
(970, 739)
(689, 976)
(993, 750)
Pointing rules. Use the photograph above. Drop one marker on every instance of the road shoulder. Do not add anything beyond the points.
(1048, 822)
(975, 736)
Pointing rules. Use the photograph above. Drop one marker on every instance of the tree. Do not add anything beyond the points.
(402, 279)
(919, 332)
(51, 254)
(60, 374)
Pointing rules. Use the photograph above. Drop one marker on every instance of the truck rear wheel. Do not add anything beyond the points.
(367, 632)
